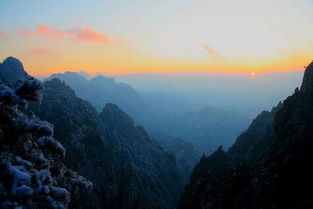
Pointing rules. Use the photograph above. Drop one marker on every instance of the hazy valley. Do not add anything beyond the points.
(138, 149)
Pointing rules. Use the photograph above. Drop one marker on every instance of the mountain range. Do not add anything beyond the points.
(59, 150)
(244, 93)
(173, 115)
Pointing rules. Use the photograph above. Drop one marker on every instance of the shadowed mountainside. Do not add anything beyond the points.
(127, 167)
(32, 175)
(269, 166)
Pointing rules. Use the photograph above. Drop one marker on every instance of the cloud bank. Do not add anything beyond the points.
(77, 34)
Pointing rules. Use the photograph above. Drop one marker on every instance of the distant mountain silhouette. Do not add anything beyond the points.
(269, 166)
(185, 153)
(101, 90)
(237, 92)
(85, 75)
(206, 128)
(174, 115)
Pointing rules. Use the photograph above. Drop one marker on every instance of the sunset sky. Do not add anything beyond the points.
(157, 36)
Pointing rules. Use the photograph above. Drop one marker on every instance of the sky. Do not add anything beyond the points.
(157, 36)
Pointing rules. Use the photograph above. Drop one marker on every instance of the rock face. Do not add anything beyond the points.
(269, 166)
(148, 176)
(251, 144)
(76, 126)
(31, 173)
(127, 167)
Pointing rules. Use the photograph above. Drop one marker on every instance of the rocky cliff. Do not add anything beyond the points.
(125, 166)
(269, 166)
(128, 168)
(32, 174)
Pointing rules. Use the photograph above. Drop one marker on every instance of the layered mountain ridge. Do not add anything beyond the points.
(101, 90)
(176, 116)
(47, 146)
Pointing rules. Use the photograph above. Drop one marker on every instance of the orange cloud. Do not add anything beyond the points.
(3, 35)
(77, 34)
(88, 35)
(213, 54)
(44, 30)
(24, 33)
(45, 52)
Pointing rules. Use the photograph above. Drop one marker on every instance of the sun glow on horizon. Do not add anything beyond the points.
(217, 36)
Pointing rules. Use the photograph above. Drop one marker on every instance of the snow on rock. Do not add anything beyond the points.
(40, 162)
(32, 125)
(29, 90)
(22, 162)
(30, 176)
(81, 182)
(52, 145)
(60, 194)
(10, 205)
(8, 96)
(17, 179)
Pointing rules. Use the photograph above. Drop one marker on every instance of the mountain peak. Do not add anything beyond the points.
(307, 83)
(12, 70)
(67, 75)
(12, 60)
(59, 85)
(101, 78)
(85, 75)
(116, 120)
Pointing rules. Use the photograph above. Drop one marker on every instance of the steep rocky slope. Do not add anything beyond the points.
(251, 144)
(31, 173)
(269, 166)
(147, 172)
(77, 128)
(127, 167)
